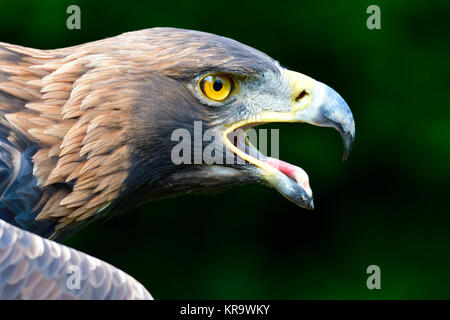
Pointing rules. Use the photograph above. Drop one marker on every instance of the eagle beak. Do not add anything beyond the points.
(311, 102)
(316, 103)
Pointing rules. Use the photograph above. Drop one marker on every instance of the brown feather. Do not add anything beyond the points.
(62, 111)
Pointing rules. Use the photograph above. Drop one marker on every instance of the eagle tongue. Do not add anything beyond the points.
(293, 172)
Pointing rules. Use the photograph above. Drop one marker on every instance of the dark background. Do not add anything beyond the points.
(387, 205)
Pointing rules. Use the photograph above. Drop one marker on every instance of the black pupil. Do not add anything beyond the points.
(217, 85)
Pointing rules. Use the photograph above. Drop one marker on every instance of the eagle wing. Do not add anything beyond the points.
(32, 267)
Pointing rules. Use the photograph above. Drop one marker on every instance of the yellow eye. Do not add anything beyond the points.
(216, 87)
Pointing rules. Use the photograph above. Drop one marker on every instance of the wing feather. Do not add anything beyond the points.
(35, 268)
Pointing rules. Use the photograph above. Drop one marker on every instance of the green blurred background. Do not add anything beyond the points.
(385, 206)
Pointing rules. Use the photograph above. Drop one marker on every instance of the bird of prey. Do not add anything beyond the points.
(87, 131)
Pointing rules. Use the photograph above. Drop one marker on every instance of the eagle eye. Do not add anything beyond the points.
(216, 87)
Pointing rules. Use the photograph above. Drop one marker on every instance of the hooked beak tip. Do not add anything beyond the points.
(311, 205)
(348, 140)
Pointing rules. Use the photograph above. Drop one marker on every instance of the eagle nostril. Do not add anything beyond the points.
(301, 95)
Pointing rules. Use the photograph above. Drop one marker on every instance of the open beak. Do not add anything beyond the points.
(311, 102)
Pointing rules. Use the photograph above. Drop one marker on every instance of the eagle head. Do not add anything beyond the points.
(198, 102)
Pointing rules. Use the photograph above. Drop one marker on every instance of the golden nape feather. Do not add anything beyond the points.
(72, 105)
